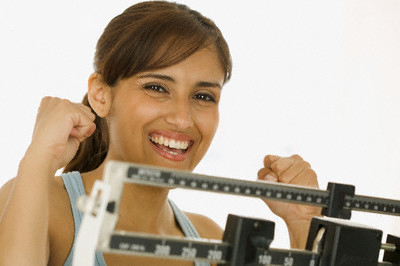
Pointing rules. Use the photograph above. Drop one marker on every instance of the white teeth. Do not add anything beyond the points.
(172, 143)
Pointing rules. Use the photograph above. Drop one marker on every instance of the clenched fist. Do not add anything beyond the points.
(291, 170)
(60, 127)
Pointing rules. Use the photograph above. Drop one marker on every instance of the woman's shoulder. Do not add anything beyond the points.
(57, 190)
(61, 224)
(205, 226)
(5, 191)
(60, 204)
(58, 187)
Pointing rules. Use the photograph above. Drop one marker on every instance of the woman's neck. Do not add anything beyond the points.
(142, 208)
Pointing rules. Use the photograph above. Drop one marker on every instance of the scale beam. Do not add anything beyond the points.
(199, 250)
(155, 176)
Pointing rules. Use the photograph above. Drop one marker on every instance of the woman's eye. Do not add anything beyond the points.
(204, 97)
(156, 88)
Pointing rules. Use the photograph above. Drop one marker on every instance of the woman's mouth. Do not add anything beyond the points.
(170, 148)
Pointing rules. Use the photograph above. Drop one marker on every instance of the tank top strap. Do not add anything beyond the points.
(75, 188)
(187, 227)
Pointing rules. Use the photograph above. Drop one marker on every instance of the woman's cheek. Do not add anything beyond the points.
(209, 123)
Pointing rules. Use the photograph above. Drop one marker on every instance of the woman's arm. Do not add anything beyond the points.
(24, 201)
(24, 208)
(291, 170)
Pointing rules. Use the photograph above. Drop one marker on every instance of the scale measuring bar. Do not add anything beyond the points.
(168, 247)
(206, 250)
(155, 176)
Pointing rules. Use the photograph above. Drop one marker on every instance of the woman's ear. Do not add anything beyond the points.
(99, 95)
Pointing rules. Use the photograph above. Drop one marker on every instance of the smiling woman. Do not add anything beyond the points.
(174, 103)
(153, 99)
(176, 33)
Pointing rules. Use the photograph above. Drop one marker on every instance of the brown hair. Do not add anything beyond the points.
(146, 36)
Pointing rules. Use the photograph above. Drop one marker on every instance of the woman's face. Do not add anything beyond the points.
(167, 117)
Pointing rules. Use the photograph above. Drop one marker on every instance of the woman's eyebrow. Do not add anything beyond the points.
(168, 78)
(157, 76)
(209, 84)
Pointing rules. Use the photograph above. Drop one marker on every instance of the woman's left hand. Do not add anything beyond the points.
(291, 170)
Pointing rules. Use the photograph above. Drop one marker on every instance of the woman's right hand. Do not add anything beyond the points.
(25, 202)
(60, 127)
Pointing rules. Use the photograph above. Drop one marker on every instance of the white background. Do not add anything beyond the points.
(317, 78)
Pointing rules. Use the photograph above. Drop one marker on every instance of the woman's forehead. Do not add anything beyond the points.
(204, 64)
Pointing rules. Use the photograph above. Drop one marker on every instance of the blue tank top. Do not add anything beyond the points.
(74, 185)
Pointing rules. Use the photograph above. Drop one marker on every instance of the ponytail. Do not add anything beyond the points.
(93, 150)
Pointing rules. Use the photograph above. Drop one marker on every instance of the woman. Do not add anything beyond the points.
(153, 99)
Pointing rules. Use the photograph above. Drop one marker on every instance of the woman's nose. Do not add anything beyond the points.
(179, 115)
